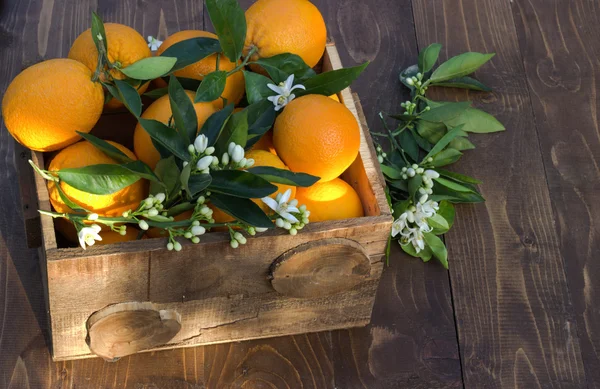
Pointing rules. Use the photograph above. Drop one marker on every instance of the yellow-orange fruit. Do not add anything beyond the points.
(47, 102)
(286, 26)
(331, 200)
(265, 143)
(234, 87)
(316, 135)
(161, 110)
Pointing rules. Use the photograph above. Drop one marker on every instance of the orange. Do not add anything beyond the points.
(161, 110)
(84, 154)
(125, 46)
(286, 26)
(161, 233)
(317, 135)
(47, 102)
(335, 97)
(235, 86)
(265, 143)
(332, 200)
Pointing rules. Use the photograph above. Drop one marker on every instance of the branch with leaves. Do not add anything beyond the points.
(199, 166)
(427, 136)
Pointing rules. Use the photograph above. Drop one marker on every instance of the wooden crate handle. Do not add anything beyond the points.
(127, 328)
(320, 268)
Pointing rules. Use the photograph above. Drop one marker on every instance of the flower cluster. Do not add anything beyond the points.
(420, 86)
(427, 176)
(284, 92)
(234, 158)
(412, 224)
(290, 216)
(381, 154)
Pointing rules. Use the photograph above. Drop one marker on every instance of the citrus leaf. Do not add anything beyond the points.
(184, 177)
(437, 248)
(68, 202)
(409, 144)
(281, 66)
(98, 179)
(464, 83)
(424, 254)
(391, 172)
(106, 147)
(414, 183)
(242, 209)
(190, 51)
(430, 131)
(180, 208)
(283, 176)
(167, 171)
(461, 143)
(331, 82)
(198, 182)
(157, 93)
(477, 121)
(167, 137)
(446, 139)
(443, 113)
(213, 126)
(212, 86)
(142, 170)
(458, 177)
(235, 130)
(184, 114)
(229, 21)
(446, 210)
(256, 87)
(428, 57)
(459, 66)
(149, 68)
(130, 97)
(98, 30)
(453, 185)
(261, 116)
(239, 183)
(446, 157)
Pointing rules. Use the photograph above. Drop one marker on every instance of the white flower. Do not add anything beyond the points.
(201, 143)
(284, 92)
(281, 206)
(99, 36)
(237, 153)
(89, 235)
(399, 224)
(153, 43)
(417, 239)
(204, 162)
(427, 209)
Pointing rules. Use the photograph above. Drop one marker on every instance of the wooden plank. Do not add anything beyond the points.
(510, 293)
(560, 49)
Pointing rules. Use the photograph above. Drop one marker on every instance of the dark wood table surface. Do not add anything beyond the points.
(519, 306)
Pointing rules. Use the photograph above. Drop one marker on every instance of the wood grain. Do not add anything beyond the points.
(561, 64)
(510, 293)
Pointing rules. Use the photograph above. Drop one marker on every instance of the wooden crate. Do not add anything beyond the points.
(324, 278)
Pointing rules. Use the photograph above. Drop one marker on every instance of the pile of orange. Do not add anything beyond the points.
(47, 103)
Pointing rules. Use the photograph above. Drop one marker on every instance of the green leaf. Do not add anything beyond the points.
(461, 143)
(428, 57)
(184, 178)
(184, 114)
(400, 207)
(432, 132)
(68, 202)
(446, 139)
(261, 116)
(424, 254)
(391, 172)
(142, 170)
(98, 29)
(198, 182)
(239, 183)
(459, 66)
(447, 212)
(130, 97)
(167, 171)
(332, 82)
(256, 87)
(149, 68)
(229, 21)
(409, 144)
(180, 208)
(281, 66)
(404, 117)
(235, 130)
(464, 83)
(414, 183)
(477, 121)
(438, 223)
(167, 137)
(214, 124)
(190, 51)
(445, 112)
(283, 176)
(398, 184)
(407, 73)
(157, 93)
(242, 209)
(446, 157)
(437, 248)
(98, 179)
(422, 142)
(212, 86)
(458, 177)
(452, 185)
(106, 147)
(464, 195)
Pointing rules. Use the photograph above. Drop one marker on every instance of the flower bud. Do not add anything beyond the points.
(234, 244)
(287, 225)
(185, 163)
(409, 81)
(177, 246)
(238, 154)
(249, 162)
(201, 143)
(260, 229)
(204, 163)
(251, 231)
(143, 225)
(431, 174)
(230, 148)
(195, 223)
(195, 239)
(240, 238)
(160, 197)
(279, 223)
(302, 208)
(293, 203)
(198, 230)
(149, 202)
(420, 170)
(414, 166)
(152, 212)
(215, 161)
(225, 159)
(187, 235)
(423, 199)
(209, 150)
(169, 246)
(410, 216)
(380, 159)
(243, 162)
(293, 231)
(410, 172)
(430, 159)
(201, 200)
(404, 176)
(122, 232)
(191, 149)
(205, 210)
(92, 216)
(422, 190)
